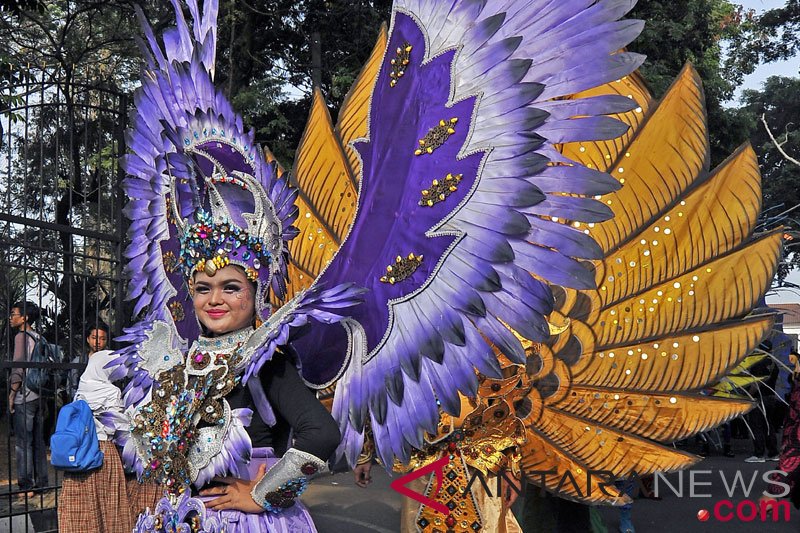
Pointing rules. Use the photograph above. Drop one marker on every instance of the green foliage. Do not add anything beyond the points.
(778, 105)
(265, 60)
(695, 31)
(771, 36)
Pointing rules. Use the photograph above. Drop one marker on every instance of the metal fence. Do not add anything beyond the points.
(61, 238)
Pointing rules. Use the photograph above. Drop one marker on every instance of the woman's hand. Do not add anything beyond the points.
(11, 396)
(510, 489)
(235, 494)
(362, 474)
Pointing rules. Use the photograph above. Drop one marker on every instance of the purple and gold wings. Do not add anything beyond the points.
(460, 189)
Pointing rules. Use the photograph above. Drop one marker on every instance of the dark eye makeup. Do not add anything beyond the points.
(227, 286)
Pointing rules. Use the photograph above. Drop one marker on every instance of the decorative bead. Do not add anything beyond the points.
(309, 469)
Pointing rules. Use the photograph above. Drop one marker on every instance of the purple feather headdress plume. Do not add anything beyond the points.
(201, 193)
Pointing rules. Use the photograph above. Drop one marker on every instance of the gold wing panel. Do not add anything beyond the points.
(662, 417)
(602, 155)
(713, 219)
(667, 154)
(541, 455)
(717, 291)
(354, 114)
(604, 448)
(681, 363)
(326, 200)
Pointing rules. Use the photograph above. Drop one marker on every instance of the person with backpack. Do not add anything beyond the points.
(24, 403)
(95, 497)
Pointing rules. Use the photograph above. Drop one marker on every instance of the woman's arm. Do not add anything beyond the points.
(316, 437)
(313, 428)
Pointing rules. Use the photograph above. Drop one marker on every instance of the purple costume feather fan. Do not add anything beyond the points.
(467, 90)
(201, 196)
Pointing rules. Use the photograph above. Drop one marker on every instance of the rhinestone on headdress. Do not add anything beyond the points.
(207, 246)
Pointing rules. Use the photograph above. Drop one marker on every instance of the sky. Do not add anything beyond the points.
(783, 68)
(754, 81)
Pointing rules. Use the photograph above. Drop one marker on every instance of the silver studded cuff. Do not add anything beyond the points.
(287, 479)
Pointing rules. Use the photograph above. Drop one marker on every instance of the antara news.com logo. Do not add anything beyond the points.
(744, 502)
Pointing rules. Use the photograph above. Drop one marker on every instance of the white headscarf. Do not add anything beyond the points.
(97, 390)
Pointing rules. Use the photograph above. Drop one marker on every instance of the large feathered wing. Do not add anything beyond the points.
(452, 168)
(680, 274)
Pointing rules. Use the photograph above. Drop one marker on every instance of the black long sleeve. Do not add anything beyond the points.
(313, 428)
(297, 410)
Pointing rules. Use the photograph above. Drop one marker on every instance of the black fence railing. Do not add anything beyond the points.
(61, 239)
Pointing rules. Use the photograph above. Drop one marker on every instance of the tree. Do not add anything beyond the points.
(771, 36)
(696, 31)
(777, 104)
(66, 63)
(266, 65)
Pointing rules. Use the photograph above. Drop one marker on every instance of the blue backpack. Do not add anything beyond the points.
(74, 446)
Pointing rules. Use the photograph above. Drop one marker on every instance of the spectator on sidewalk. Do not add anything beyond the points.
(789, 464)
(102, 499)
(97, 341)
(25, 405)
(764, 419)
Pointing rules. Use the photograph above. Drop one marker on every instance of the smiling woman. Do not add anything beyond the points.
(224, 302)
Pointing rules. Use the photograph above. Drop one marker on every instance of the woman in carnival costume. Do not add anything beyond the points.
(470, 180)
(215, 398)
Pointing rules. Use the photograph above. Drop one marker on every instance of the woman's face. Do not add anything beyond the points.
(224, 302)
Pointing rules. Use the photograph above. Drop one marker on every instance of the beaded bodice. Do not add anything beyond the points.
(184, 425)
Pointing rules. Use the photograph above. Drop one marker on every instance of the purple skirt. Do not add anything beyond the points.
(295, 519)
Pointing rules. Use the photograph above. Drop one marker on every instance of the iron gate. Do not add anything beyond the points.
(61, 238)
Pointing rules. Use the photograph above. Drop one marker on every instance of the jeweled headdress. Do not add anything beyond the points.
(202, 193)
(232, 219)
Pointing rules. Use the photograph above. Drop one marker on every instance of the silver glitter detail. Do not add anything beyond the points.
(156, 350)
(288, 468)
(208, 443)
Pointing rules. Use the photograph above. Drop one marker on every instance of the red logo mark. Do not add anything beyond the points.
(400, 483)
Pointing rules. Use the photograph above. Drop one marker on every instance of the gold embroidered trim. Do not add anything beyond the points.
(402, 268)
(436, 136)
(440, 190)
(399, 62)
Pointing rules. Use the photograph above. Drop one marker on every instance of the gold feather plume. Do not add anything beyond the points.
(680, 275)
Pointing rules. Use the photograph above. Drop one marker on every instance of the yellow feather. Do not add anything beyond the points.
(673, 140)
(352, 123)
(722, 289)
(539, 454)
(604, 448)
(676, 363)
(602, 155)
(326, 200)
(714, 218)
(664, 417)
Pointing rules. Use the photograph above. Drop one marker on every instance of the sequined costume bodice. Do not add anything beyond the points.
(185, 424)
